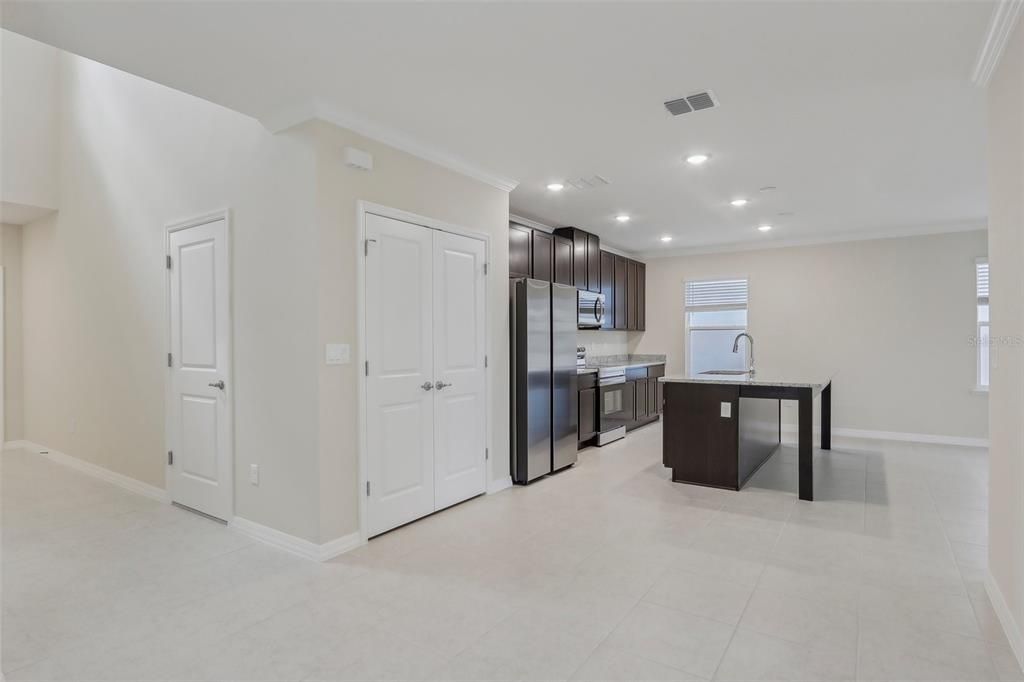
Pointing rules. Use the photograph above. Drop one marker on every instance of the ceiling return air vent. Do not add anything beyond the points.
(694, 102)
(589, 182)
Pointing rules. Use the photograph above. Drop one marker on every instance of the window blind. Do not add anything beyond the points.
(981, 274)
(716, 293)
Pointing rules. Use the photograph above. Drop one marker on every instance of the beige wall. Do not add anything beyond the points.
(1006, 418)
(135, 157)
(404, 182)
(10, 259)
(890, 318)
(28, 143)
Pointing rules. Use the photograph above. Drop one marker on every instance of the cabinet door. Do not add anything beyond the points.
(653, 404)
(660, 404)
(519, 251)
(579, 259)
(608, 289)
(588, 414)
(631, 290)
(541, 255)
(640, 399)
(594, 263)
(563, 260)
(620, 292)
(641, 296)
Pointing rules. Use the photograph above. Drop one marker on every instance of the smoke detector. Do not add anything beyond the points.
(694, 102)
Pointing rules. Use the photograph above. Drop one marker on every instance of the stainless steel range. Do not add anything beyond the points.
(615, 404)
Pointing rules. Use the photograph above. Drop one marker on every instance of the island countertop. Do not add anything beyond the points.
(758, 379)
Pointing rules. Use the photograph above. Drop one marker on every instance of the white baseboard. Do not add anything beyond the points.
(995, 595)
(296, 545)
(499, 484)
(94, 470)
(927, 438)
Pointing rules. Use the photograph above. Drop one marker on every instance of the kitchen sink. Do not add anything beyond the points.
(728, 372)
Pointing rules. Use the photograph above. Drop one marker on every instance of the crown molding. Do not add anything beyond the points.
(289, 117)
(1001, 25)
(839, 238)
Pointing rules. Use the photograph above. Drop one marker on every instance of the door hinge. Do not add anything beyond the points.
(485, 268)
(168, 262)
(367, 488)
(485, 361)
(366, 246)
(366, 368)
(170, 458)
(487, 453)
(170, 360)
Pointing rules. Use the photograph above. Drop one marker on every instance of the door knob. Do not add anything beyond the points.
(426, 385)
(217, 384)
(440, 384)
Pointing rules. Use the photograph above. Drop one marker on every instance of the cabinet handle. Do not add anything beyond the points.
(440, 385)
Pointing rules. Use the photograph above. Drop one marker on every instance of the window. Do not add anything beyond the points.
(715, 312)
(982, 338)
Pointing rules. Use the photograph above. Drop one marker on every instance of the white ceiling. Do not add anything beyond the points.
(861, 113)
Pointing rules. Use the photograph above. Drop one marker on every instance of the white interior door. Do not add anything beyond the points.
(400, 378)
(459, 373)
(199, 401)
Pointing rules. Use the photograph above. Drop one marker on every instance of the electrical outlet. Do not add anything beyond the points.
(254, 474)
(727, 410)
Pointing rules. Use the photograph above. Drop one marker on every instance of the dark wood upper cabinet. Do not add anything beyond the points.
(586, 258)
(519, 237)
(641, 296)
(631, 292)
(608, 289)
(542, 255)
(620, 292)
(594, 263)
(563, 260)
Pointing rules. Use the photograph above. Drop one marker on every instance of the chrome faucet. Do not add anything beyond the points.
(750, 343)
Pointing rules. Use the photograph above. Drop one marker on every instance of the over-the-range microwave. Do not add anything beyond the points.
(590, 309)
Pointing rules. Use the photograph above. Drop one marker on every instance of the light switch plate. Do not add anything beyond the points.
(727, 410)
(254, 474)
(337, 354)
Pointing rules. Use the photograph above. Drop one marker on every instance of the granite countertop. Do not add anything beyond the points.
(586, 370)
(759, 379)
(599, 361)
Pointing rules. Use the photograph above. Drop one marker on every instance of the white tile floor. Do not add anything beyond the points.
(607, 571)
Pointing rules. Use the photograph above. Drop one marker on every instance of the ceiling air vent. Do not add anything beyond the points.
(694, 102)
(589, 182)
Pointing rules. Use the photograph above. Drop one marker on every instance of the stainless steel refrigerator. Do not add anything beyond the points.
(544, 397)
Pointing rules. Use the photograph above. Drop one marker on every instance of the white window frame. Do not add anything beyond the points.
(687, 359)
(979, 325)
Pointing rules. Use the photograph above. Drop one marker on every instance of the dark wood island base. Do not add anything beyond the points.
(718, 433)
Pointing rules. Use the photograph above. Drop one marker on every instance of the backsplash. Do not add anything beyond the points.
(606, 342)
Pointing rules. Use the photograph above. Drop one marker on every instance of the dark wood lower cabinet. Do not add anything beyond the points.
(640, 399)
(587, 414)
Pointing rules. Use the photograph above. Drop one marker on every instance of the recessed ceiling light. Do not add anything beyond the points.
(556, 187)
(738, 202)
(697, 159)
(666, 238)
(764, 228)
(622, 218)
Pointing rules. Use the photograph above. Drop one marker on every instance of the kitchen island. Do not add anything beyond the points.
(719, 429)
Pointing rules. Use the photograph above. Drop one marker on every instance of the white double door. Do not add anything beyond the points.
(425, 387)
